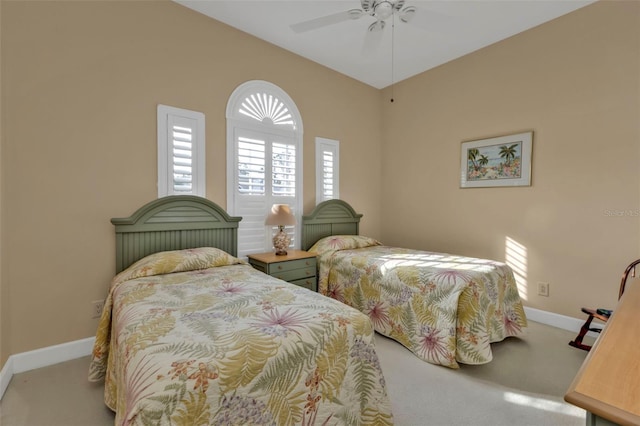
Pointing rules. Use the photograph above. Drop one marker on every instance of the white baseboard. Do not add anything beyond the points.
(43, 357)
(5, 375)
(556, 320)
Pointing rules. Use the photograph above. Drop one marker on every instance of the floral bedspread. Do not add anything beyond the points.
(198, 337)
(446, 309)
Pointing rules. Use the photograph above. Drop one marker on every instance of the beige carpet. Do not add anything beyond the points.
(522, 386)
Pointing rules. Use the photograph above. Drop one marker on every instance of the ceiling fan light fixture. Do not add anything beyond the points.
(383, 10)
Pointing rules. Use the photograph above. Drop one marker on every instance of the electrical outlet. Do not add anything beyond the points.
(543, 289)
(98, 306)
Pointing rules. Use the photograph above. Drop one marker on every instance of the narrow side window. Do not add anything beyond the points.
(181, 147)
(327, 169)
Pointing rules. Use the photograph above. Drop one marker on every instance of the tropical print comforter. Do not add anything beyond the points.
(446, 309)
(198, 337)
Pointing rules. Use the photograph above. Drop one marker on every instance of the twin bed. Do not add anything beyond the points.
(446, 309)
(192, 335)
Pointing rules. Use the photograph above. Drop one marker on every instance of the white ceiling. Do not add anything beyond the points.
(440, 31)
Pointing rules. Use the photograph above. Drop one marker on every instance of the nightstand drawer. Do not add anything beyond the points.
(309, 283)
(279, 267)
(295, 274)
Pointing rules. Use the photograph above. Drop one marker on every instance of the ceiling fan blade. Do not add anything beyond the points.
(376, 27)
(423, 18)
(406, 15)
(323, 21)
(373, 39)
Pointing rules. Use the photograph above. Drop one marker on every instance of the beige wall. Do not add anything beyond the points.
(81, 81)
(4, 311)
(575, 82)
(80, 86)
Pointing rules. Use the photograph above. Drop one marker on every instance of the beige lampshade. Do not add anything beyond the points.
(280, 215)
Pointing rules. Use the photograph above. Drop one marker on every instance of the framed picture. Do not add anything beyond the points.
(499, 161)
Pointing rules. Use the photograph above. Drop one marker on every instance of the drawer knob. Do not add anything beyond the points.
(279, 266)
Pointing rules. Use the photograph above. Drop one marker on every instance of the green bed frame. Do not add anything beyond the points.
(331, 217)
(173, 223)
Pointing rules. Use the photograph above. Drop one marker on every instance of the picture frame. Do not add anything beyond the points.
(497, 161)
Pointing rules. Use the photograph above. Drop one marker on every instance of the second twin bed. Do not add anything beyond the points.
(446, 309)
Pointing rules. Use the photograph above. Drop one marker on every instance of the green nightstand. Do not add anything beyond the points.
(297, 267)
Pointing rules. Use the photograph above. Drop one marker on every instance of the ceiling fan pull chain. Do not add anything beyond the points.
(393, 32)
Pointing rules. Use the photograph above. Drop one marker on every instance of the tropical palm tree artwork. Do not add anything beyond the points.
(495, 162)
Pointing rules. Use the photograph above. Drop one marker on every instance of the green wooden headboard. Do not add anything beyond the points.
(331, 217)
(173, 223)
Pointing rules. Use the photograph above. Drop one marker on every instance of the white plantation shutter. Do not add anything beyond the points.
(250, 169)
(283, 175)
(265, 174)
(327, 169)
(251, 166)
(181, 147)
(264, 162)
(327, 174)
(182, 158)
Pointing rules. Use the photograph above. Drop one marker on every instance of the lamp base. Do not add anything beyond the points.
(281, 242)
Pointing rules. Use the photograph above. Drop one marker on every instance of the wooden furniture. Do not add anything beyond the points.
(297, 267)
(190, 331)
(608, 383)
(331, 217)
(592, 313)
(414, 296)
(173, 223)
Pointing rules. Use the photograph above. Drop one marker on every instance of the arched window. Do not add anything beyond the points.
(264, 161)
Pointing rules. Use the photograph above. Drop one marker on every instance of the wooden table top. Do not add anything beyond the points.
(271, 257)
(608, 383)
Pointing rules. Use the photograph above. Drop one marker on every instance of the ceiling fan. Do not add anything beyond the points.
(378, 9)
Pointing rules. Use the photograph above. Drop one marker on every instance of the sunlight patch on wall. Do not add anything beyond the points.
(544, 404)
(516, 258)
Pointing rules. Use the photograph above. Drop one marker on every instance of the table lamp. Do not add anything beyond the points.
(280, 216)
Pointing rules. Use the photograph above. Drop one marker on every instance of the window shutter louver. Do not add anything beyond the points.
(182, 160)
(284, 170)
(327, 175)
(251, 166)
